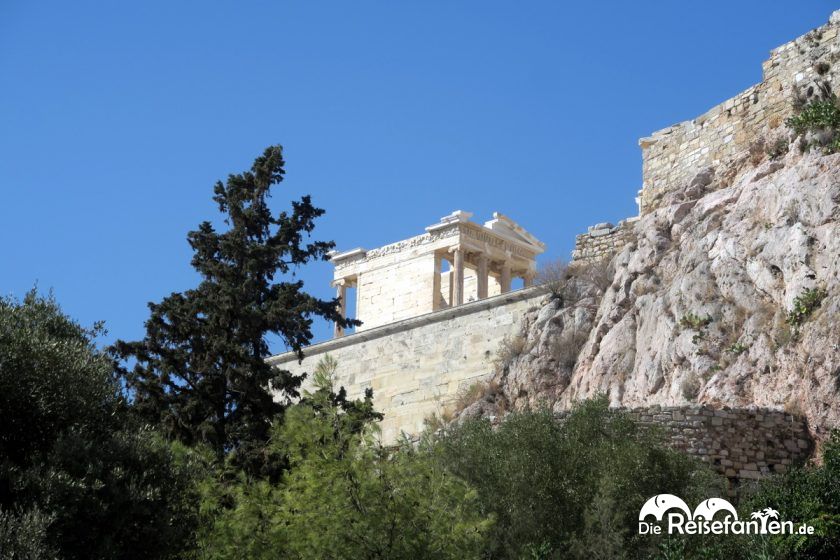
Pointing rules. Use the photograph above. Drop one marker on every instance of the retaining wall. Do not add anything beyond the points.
(741, 444)
(603, 241)
(418, 366)
(723, 135)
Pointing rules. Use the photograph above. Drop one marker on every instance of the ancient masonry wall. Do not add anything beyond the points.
(419, 366)
(603, 241)
(796, 70)
(390, 292)
(741, 444)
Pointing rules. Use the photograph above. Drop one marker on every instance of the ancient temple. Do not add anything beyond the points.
(454, 262)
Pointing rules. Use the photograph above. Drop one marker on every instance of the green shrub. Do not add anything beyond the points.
(804, 305)
(809, 494)
(569, 488)
(738, 348)
(78, 475)
(816, 115)
(820, 117)
(695, 322)
(23, 536)
(344, 495)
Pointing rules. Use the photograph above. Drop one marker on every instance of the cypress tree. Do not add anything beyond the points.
(200, 370)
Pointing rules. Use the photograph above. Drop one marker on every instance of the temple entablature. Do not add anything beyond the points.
(454, 262)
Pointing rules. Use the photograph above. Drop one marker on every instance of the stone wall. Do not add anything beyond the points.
(722, 136)
(419, 366)
(741, 444)
(400, 286)
(602, 241)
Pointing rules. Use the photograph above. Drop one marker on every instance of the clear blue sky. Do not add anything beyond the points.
(116, 118)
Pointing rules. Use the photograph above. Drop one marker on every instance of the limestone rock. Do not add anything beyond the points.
(695, 309)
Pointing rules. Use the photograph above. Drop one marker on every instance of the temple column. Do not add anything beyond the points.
(341, 295)
(436, 282)
(458, 276)
(482, 276)
(504, 280)
(528, 279)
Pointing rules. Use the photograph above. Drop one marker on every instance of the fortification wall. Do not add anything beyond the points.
(741, 444)
(602, 241)
(418, 366)
(719, 138)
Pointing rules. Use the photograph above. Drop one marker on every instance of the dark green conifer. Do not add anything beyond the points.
(200, 371)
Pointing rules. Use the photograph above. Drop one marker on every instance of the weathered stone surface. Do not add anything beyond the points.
(760, 450)
(419, 366)
(602, 242)
(721, 138)
(739, 256)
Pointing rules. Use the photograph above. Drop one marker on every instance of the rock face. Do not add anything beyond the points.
(694, 310)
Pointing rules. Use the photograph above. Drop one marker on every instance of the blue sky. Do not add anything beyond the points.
(116, 118)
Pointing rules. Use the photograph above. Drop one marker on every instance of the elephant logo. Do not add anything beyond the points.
(658, 505)
(708, 508)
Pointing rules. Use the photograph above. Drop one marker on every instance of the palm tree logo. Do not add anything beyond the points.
(764, 515)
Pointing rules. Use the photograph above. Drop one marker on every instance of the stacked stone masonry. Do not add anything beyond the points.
(602, 241)
(795, 73)
(741, 444)
(800, 71)
(417, 367)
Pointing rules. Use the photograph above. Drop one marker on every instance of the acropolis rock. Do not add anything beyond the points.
(681, 313)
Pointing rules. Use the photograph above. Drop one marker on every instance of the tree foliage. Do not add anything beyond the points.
(200, 369)
(808, 494)
(79, 478)
(345, 496)
(570, 488)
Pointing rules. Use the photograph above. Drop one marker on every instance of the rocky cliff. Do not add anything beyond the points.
(729, 295)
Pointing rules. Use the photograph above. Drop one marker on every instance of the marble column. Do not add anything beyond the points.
(482, 276)
(458, 277)
(436, 282)
(528, 279)
(504, 280)
(341, 294)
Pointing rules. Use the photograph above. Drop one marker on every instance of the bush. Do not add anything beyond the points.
(571, 487)
(488, 390)
(553, 275)
(77, 475)
(23, 536)
(597, 273)
(738, 348)
(345, 496)
(804, 494)
(757, 150)
(777, 148)
(509, 349)
(821, 120)
(695, 322)
(567, 346)
(804, 305)
(690, 387)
